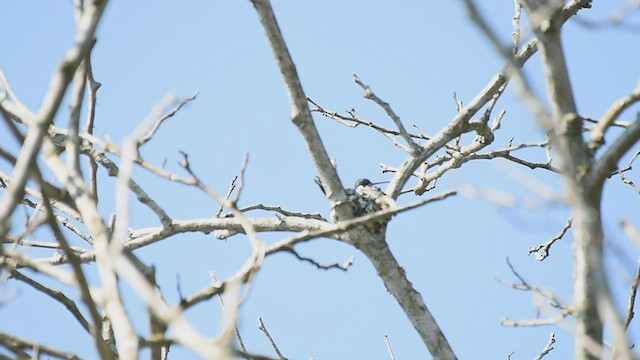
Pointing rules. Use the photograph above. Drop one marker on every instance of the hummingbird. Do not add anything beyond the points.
(378, 200)
(366, 198)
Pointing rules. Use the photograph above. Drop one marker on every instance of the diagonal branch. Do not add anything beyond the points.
(482, 98)
(81, 279)
(609, 118)
(50, 104)
(369, 94)
(608, 162)
(300, 113)
(57, 295)
(15, 342)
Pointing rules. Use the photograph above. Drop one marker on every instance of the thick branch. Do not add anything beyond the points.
(590, 286)
(300, 113)
(397, 283)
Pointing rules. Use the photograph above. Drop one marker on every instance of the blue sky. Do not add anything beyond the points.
(414, 55)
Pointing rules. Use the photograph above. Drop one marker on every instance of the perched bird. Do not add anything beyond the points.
(366, 198)
(370, 191)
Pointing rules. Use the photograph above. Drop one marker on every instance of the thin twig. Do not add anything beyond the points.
(547, 349)
(612, 114)
(231, 188)
(551, 299)
(344, 266)
(369, 94)
(235, 327)
(632, 299)
(243, 168)
(634, 234)
(282, 211)
(388, 343)
(542, 251)
(88, 128)
(12, 341)
(56, 295)
(263, 328)
(161, 119)
(113, 170)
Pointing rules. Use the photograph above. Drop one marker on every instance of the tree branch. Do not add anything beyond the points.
(300, 113)
(22, 344)
(38, 129)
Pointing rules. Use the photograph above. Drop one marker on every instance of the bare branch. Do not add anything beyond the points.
(40, 244)
(86, 205)
(161, 119)
(542, 251)
(547, 349)
(251, 266)
(74, 196)
(231, 188)
(113, 170)
(495, 85)
(236, 330)
(216, 288)
(534, 322)
(632, 299)
(60, 197)
(622, 172)
(38, 130)
(263, 328)
(343, 226)
(355, 120)
(11, 105)
(608, 119)
(608, 162)
(282, 211)
(369, 94)
(75, 105)
(300, 113)
(88, 128)
(183, 333)
(388, 343)
(516, 26)
(251, 356)
(56, 295)
(243, 167)
(550, 298)
(632, 232)
(11, 259)
(11, 341)
(83, 284)
(344, 266)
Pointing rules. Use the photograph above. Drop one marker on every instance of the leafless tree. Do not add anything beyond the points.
(575, 148)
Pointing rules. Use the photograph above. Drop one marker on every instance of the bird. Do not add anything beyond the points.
(366, 198)
(369, 191)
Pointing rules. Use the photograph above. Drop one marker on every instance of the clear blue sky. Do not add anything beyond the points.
(415, 55)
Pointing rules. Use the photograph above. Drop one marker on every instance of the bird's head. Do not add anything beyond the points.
(367, 182)
(363, 182)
